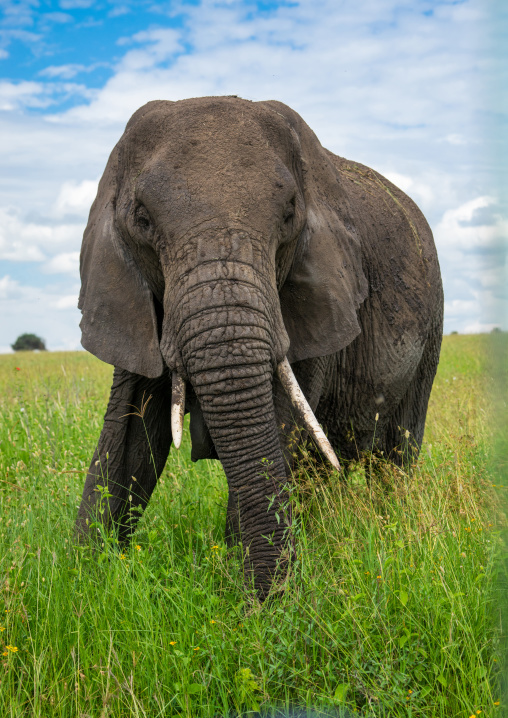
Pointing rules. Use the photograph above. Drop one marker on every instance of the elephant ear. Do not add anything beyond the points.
(119, 323)
(326, 284)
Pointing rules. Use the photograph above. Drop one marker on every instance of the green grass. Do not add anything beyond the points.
(391, 607)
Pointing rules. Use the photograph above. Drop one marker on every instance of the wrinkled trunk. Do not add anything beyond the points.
(227, 347)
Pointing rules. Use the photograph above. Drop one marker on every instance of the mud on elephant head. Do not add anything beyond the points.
(225, 245)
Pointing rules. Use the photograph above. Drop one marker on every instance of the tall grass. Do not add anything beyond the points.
(390, 607)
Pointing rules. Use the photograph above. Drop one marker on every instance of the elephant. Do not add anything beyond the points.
(235, 269)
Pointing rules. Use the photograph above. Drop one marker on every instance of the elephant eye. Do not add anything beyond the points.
(142, 218)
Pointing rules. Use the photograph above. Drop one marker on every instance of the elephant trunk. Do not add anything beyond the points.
(228, 352)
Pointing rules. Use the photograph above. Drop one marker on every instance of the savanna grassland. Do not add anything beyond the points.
(392, 606)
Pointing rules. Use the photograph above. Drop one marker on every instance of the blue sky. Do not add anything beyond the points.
(412, 88)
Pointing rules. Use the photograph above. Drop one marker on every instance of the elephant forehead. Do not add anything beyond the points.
(213, 185)
(213, 137)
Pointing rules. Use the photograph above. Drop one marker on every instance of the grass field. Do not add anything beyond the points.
(392, 606)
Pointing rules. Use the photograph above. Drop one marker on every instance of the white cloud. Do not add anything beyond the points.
(42, 311)
(14, 95)
(471, 242)
(457, 230)
(68, 301)
(18, 241)
(65, 263)
(8, 287)
(3, 54)
(75, 198)
(66, 72)
(159, 46)
(25, 241)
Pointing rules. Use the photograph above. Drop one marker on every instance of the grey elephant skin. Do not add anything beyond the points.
(224, 238)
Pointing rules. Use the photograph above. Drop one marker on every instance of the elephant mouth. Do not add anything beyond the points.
(295, 394)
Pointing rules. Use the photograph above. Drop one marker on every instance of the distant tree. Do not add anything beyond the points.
(496, 330)
(28, 343)
(453, 332)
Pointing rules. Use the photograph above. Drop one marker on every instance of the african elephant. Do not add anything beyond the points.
(228, 252)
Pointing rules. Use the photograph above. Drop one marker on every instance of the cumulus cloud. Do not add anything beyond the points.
(65, 263)
(458, 230)
(471, 242)
(68, 301)
(25, 241)
(75, 198)
(8, 287)
(14, 95)
(67, 72)
(45, 311)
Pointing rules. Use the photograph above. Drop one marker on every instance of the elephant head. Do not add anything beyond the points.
(222, 246)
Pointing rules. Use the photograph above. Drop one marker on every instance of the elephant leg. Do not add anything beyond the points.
(131, 453)
(404, 433)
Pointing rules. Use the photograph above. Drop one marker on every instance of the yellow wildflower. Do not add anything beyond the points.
(2, 628)
(122, 556)
(212, 621)
(496, 703)
(12, 649)
(138, 548)
(197, 648)
(172, 643)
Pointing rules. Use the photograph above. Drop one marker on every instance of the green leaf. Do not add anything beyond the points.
(400, 544)
(194, 688)
(481, 671)
(388, 562)
(403, 640)
(357, 597)
(425, 691)
(403, 597)
(442, 680)
(340, 692)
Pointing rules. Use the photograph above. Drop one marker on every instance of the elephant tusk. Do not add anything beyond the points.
(177, 408)
(301, 404)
